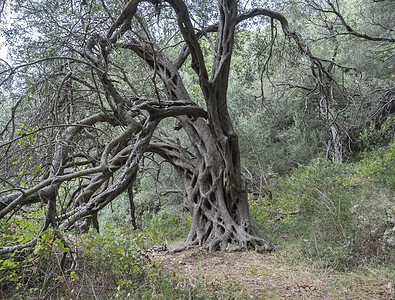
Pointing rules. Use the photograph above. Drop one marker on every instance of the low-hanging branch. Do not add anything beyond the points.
(214, 189)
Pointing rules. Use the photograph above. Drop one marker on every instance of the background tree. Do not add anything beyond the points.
(285, 100)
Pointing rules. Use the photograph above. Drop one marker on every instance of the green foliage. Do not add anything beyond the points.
(17, 229)
(338, 214)
(117, 212)
(155, 226)
(260, 210)
(169, 224)
(378, 167)
(112, 260)
(22, 269)
(115, 253)
(20, 228)
(373, 138)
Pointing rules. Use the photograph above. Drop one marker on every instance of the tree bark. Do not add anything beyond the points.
(215, 192)
(132, 208)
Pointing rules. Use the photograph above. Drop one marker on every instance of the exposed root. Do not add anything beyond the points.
(262, 246)
(244, 243)
(180, 249)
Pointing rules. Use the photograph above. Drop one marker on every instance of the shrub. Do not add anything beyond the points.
(374, 138)
(109, 264)
(168, 224)
(19, 229)
(345, 212)
(378, 167)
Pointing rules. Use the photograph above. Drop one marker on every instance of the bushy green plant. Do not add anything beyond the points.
(168, 224)
(116, 256)
(18, 229)
(318, 191)
(109, 263)
(32, 270)
(117, 212)
(338, 214)
(374, 138)
(379, 167)
(114, 249)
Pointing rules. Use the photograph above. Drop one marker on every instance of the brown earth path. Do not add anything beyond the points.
(250, 275)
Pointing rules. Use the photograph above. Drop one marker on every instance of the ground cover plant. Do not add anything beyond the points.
(355, 243)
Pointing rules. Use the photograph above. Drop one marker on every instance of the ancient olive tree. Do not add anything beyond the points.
(92, 84)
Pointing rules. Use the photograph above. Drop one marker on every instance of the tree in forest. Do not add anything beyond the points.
(297, 116)
(87, 94)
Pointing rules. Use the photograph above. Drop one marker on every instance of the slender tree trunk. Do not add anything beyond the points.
(132, 209)
(335, 144)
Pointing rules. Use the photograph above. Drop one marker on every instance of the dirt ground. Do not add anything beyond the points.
(251, 275)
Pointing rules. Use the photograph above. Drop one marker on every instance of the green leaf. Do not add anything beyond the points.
(74, 275)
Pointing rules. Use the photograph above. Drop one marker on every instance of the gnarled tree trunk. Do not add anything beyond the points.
(215, 193)
(217, 199)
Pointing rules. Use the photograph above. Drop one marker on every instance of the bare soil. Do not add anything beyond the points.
(250, 275)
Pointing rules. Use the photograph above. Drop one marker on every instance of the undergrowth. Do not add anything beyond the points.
(335, 216)
(340, 215)
(169, 224)
(106, 265)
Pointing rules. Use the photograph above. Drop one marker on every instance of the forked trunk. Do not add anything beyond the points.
(216, 195)
(214, 191)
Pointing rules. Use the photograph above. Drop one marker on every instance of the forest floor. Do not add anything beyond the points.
(250, 275)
